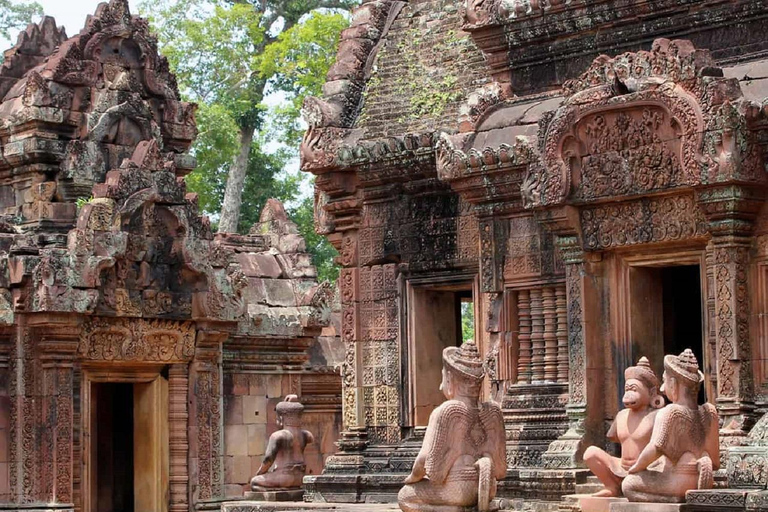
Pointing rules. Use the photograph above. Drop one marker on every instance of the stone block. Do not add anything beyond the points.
(259, 265)
(254, 409)
(233, 410)
(596, 504)
(274, 386)
(648, 507)
(279, 292)
(5, 486)
(291, 244)
(237, 470)
(747, 467)
(233, 490)
(275, 495)
(235, 440)
(723, 499)
(257, 440)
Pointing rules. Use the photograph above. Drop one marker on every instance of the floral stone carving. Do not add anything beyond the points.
(463, 452)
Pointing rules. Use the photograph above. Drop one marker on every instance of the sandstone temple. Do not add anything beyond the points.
(588, 176)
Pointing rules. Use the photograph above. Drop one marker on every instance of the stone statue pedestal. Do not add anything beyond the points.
(597, 504)
(275, 495)
(648, 507)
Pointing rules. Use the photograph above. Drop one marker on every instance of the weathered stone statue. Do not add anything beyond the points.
(684, 448)
(632, 428)
(285, 452)
(463, 452)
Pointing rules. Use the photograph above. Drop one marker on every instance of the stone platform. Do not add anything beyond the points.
(648, 507)
(274, 506)
(275, 495)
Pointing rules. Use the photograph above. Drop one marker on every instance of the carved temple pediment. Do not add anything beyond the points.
(643, 124)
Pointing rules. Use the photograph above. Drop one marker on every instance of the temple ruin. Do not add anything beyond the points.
(591, 176)
(141, 357)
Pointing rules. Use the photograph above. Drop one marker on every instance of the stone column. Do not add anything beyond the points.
(730, 211)
(43, 431)
(206, 419)
(583, 297)
(178, 440)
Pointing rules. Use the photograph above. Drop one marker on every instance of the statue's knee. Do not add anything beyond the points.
(591, 454)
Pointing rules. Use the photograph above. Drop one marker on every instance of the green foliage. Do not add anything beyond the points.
(467, 321)
(82, 201)
(16, 15)
(433, 97)
(227, 56)
(297, 63)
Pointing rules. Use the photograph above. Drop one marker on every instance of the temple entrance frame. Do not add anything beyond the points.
(638, 316)
(151, 431)
(439, 299)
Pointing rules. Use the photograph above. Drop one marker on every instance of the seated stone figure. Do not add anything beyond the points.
(285, 450)
(463, 452)
(684, 447)
(632, 428)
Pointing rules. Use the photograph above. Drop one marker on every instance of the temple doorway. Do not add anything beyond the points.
(439, 317)
(126, 459)
(666, 313)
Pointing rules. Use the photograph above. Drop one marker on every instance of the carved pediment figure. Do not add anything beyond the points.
(684, 447)
(464, 447)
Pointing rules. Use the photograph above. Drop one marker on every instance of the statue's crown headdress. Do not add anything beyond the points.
(685, 366)
(642, 372)
(465, 361)
(289, 406)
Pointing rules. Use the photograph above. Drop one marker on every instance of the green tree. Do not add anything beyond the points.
(16, 15)
(228, 55)
(467, 321)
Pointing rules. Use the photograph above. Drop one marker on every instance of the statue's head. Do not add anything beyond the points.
(462, 371)
(682, 377)
(289, 411)
(641, 387)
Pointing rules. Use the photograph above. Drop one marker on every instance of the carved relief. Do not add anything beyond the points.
(644, 221)
(628, 152)
(137, 340)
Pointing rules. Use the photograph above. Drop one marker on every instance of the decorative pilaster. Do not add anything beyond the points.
(524, 336)
(567, 450)
(730, 211)
(178, 428)
(206, 379)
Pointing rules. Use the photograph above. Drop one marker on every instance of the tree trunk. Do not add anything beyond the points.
(233, 195)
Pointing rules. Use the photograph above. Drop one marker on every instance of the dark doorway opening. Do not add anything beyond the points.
(682, 309)
(666, 314)
(114, 447)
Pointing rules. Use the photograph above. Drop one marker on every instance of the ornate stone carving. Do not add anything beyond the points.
(640, 222)
(642, 122)
(137, 340)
